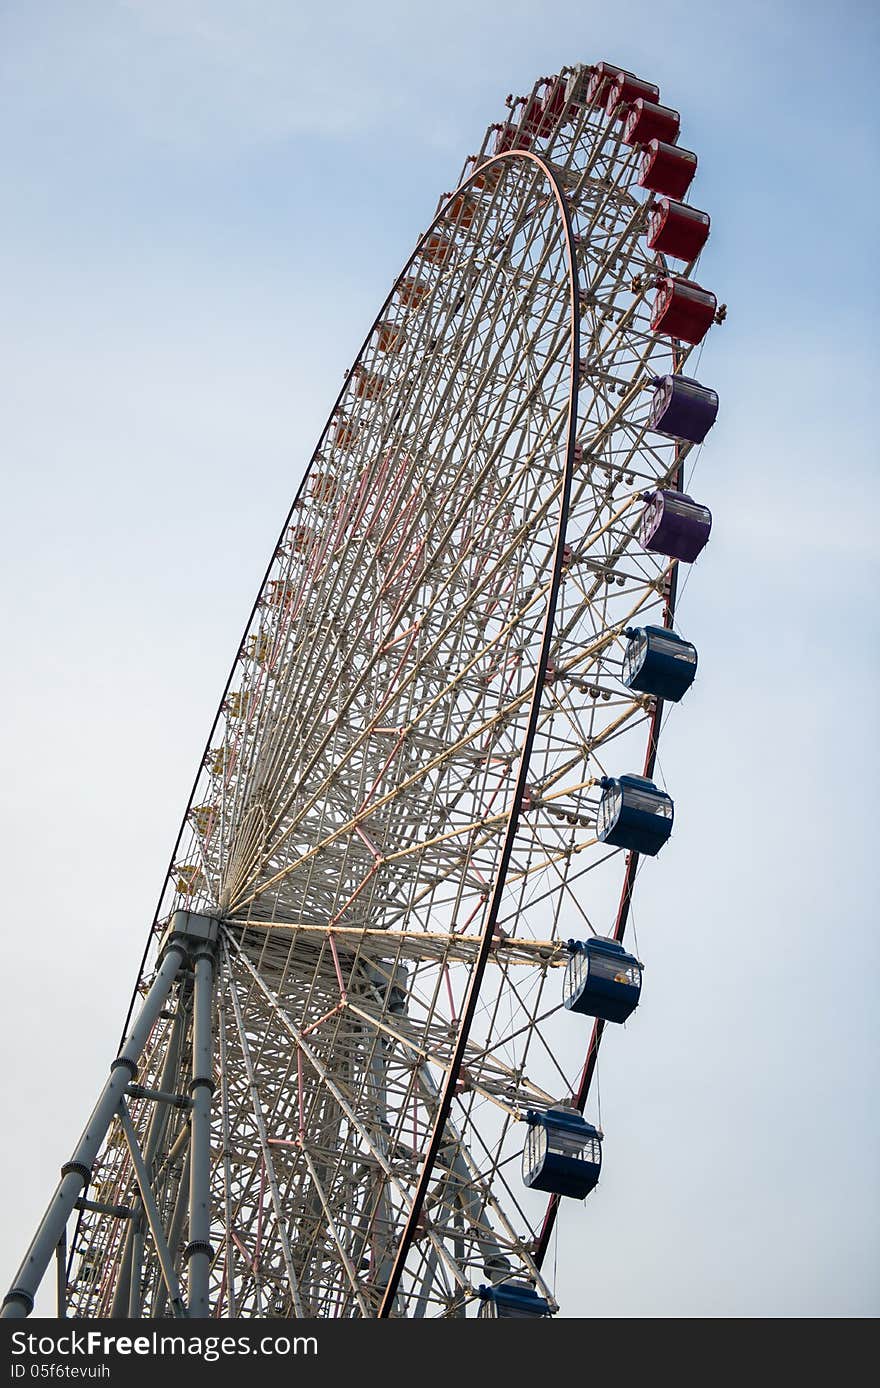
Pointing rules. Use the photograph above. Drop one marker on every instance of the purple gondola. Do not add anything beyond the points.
(682, 408)
(674, 524)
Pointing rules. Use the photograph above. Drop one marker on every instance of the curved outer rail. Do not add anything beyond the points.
(473, 991)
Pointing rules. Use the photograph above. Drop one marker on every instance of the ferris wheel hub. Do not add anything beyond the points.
(191, 929)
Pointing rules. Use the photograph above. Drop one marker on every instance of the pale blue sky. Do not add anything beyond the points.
(203, 206)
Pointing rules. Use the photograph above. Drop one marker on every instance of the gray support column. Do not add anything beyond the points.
(76, 1174)
(122, 1290)
(123, 1296)
(137, 1261)
(227, 1150)
(174, 1234)
(198, 1251)
(151, 1210)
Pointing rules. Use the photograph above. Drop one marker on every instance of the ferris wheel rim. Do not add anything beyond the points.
(526, 736)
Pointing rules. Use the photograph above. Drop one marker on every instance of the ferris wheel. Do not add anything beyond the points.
(356, 1079)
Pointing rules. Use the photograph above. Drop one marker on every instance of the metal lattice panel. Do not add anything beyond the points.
(395, 823)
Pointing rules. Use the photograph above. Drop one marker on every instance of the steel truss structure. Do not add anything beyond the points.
(351, 991)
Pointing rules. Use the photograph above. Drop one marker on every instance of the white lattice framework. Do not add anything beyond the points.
(398, 801)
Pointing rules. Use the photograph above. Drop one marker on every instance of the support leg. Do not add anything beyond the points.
(199, 1251)
(76, 1174)
(124, 1297)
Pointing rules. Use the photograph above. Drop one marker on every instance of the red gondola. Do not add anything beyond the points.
(510, 137)
(648, 121)
(667, 169)
(602, 78)
(531, 118)
(683, 309)
(436, 248)
(556, 110)
(677, 230)
(626, 89)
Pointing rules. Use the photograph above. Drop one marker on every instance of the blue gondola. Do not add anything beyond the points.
(656, 661)
(634, 814)
(512, 1299)
(602, 980)
(563, 1153)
